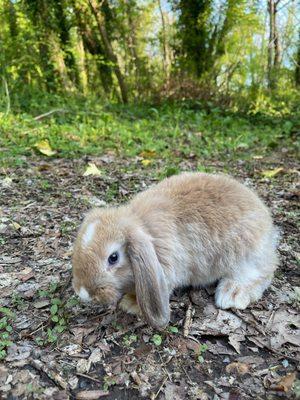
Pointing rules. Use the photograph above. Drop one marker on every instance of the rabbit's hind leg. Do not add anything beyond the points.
(234, 294)
(248, 280)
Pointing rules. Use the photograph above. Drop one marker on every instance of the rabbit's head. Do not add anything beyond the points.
(114, 255)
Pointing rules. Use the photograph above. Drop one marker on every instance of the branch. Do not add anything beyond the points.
(42, 116)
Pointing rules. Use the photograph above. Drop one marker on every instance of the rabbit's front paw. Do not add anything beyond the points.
(129, 304)
(231, 294)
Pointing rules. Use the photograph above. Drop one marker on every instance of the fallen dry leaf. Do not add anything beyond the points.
(92, 169)
(91, 394)
(272, 172)
(148, 154)
(217, 322)
(16, 225)
(237, 367)
(285, 328)
(44, 147)
(41, 304)
(146, 162)
(285, 384)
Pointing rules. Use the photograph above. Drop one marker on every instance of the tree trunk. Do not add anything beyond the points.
(166, 59)
(271, 44)
(63, 31)
(297, 70)
(274, 48)
(277, 46)
(80, 61)
(93, 45)
(12, 19)
(132, 44)
(58, 61)
(108, 48)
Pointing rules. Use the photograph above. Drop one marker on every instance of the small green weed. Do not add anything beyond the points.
(17, 301)
(173, 329)
(108, 382)
(6, 317)
(59, 315)
(45, 185)
(174, 132)
(67, 227)
(157, 340)
(200, 354)
(128, 340)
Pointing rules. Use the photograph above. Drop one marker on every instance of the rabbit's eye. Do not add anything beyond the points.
(113, 258)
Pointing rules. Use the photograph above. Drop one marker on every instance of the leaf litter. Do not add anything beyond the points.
(208, 353)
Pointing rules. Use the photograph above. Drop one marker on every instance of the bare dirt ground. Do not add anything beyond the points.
(62, 349)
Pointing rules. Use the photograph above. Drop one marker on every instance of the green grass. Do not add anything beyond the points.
(167, 132)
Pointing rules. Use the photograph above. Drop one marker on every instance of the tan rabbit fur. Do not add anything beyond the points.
(191, 229)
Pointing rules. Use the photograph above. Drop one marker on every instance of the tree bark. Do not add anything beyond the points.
(271, 44)
(166, 62)
(274, 48)
(277, 45)
(93, 45)
(297, 70)
(132, 44)
(108, 48)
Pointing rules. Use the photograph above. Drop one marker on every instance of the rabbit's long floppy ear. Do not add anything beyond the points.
(150, 283)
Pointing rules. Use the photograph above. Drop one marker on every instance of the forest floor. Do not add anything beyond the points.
(62, 349)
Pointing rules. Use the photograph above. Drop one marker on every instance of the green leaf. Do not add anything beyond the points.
(54, 318)
(2, 354)
(9, 328)
(173, 329)
(6, 311)
(203, 347)
(62, 321)
(54, 309)
(60, 328)
(201, 359)
(56, 301)
(157, 340)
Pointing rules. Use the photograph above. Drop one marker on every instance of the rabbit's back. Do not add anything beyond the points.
(203, 221)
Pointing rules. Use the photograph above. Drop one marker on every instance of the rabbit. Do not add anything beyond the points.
(191, 229)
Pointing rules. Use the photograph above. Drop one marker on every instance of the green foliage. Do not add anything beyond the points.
(108, 382)
(6, 318)
(59, 47)
(169, 132)
(128, 340)
(157, 339)
(200, 354)
(59, 312)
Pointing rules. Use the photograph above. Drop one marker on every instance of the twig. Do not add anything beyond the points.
(42, 325)
(89, 377)
(164, 364)
(39, 117)
(136, 378)
(270, 319)
(188, 320)
(53, 376)
(153, 396)
(189, 378)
